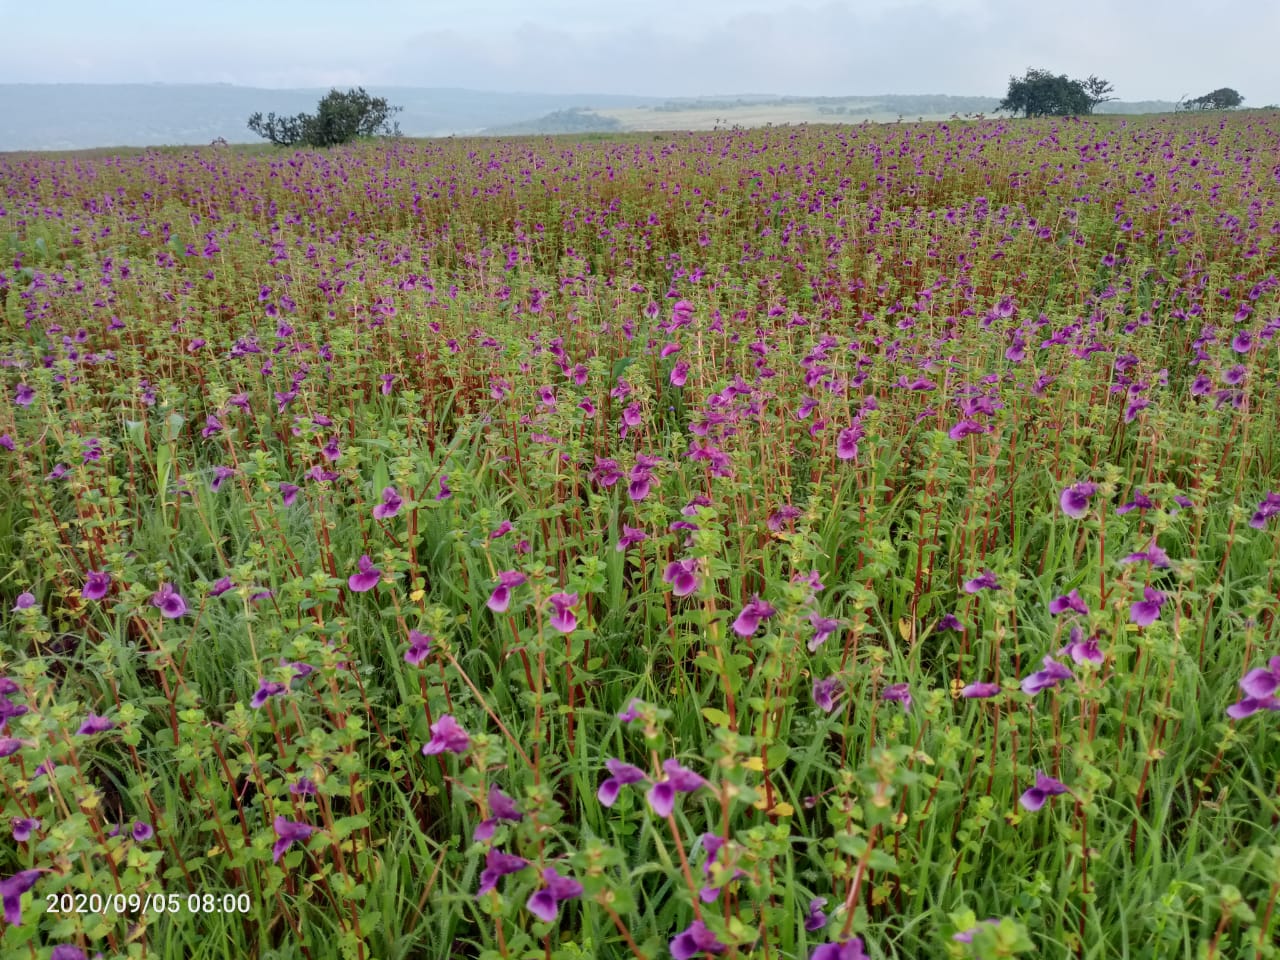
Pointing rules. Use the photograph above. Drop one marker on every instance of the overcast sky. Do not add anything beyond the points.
(1150, 49)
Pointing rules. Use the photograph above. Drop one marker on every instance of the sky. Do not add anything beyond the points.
(1149, 49)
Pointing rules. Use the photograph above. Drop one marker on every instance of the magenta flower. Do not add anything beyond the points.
(847, 443)
(630, 537)
(419, 647)
(496, 866)
(501, 807)
(823, 627)
(899, 692)
(11, 891)
(1259, 686)
(445, 493)
(563, 619)
(446, 735)
(289, 832)
(986, 581)
(980, 691)
(545, 903)
(695, 940)
(390, 505)
(1074, 500)
(1034, 797)
(964, 428)
(94, 724)
(1152, 555)
(367, 578)
(500, 599)
(1045, 679)
(824, 693)
(1146, 611)
(289, 493)
(683, 576)
(1071, 601)
(96, 585)
(169, 601)
(1267, 509)
(1081, 650)
(815, 919)
(266, 689)
(621, 774)
(501, 530)
(840, 950)
(662, 795)
(748, 620)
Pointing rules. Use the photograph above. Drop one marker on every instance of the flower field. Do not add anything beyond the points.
(824, 543)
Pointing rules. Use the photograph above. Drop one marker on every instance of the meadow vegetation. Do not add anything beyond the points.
(812, 543)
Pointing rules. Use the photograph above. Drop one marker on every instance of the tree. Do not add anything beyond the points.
(339, 118)
(1039, 93)
(1097, 90)
(1224, 98)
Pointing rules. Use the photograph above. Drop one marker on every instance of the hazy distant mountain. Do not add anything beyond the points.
(75, 116)
(79, 116)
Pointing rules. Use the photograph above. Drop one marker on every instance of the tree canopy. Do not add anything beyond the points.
(339, 118)
(1040, 93)
(1224, 98)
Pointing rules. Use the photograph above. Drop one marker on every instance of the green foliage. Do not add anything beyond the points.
(340, 118)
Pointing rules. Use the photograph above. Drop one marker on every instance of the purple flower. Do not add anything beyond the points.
(289, 832)
(390, 505)
(683, 576)
(840, 950)
(1075, 499)
(496, 866)
(1267, 509)
(1071, 601)
(445, 493)
(621, 774)
(305, 787)
(748, 620)
(289, 493)
(815, 919)
(545, 903)
(823, 627)
(23, 828)
(266, 688)
(419, 647)
(501, 530)
(847, 443)
(966, 936)
(94, 724)
(169, 601)
(500, 599)
(1259, 686)
(1047, 678)
(824, 693)
(367, 578)
(949, 622)
(501, 807)
(662, 795)
(446, 735)
(962, 430)
(58, 472)
(631, 714)
(1140, 501)
(1145, 612)
(630, 537)
(695, 940)
(987, 581)
(1152, 555)
(67, 951)
(1080, 649)
(11, 891)
(899, 692)
(23, 395)
(25, 601)
(142, 832)
(563, 619)
(8, 745)
(1034, 797)
(980, 691)
(96, 585)
(221, 587)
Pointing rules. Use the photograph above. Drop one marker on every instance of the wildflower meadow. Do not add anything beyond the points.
(822, 542)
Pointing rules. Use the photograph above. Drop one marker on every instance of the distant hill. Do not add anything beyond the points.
(76, 116)
(81, 116)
